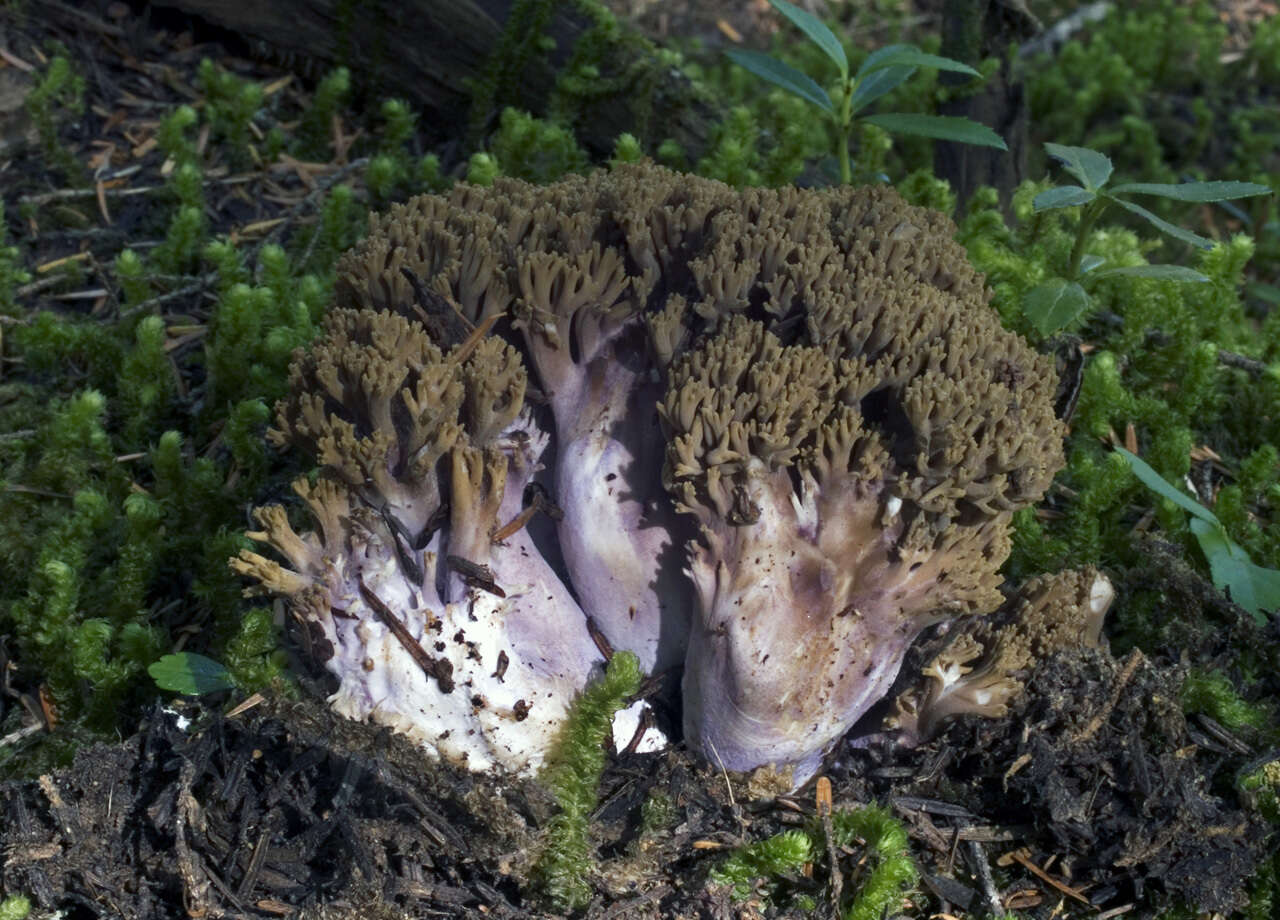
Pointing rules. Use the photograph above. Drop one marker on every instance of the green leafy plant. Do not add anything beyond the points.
(1056, 303)
(191, 674)
(883, 71)
(1253, 587)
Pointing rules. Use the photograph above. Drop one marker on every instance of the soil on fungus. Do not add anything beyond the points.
(1095, 794)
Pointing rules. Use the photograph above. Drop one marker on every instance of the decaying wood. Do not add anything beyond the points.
(971, 31)
(427, 51)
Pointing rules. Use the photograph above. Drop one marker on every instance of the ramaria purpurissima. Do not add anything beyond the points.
(786, 435)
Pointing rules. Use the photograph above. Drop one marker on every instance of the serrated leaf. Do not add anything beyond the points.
(1195, 191)
(782, 74)
(1064, 196)
(1093, 169)
(190, 674)
(877, 84)
(1052, 305)
(1159, 272)
(1161, 224)
(1253, 587)
(817, 32)
(911, 56)
(1158, 484)
(942, 127)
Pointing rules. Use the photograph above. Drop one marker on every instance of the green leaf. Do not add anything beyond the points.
(911, 56)
(1064, 196)
(942, 127)
(817, 32)
(1157, 483)
(1263, 291)
(191, 674)
(877, 84)
(1093, 169)
(1253, 587)
(1173, 230)
(782, 74)
(1089, 262)
(1195, 191)
(1159, 272)
(1054, 304)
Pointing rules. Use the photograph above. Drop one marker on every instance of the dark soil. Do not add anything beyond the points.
(1095, 793)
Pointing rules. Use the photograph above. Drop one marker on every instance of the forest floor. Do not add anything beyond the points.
(1094, 795)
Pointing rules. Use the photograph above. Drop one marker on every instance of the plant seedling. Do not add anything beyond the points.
(882, 71)
(1253, 587)
(1056, 303)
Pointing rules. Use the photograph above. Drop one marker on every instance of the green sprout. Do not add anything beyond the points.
(1058, 302)
(1253, 587)
(883, 70)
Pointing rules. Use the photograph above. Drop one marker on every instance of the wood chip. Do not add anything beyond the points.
(1019, 857)
(58, 263)
(729, 31)
(14, 61)
(260, 226)
(276, 85)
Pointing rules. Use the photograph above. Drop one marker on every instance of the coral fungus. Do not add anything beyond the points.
(978, 671)
(786, 435)
(473, 647)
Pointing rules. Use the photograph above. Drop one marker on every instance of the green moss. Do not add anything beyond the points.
(172, 134)
(572, 773)
(12, 274)
(520, 44)
(57, 96)
(131, 277)
(183, 241)
(1211, 693)
(1154, 365)
(533, 149)
(733, 157)
(231, 105)
(626, 149)
(316, 128)
(1151, 85)
(764, 862)
(482, 169)
(15, 907)
(1262, 893)
(885, 871)
(657, 812)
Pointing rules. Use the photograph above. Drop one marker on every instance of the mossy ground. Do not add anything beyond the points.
(170, 229)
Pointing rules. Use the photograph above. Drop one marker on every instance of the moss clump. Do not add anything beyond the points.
(58, 94)
(1212, 693)
(884, 870)
(15, 907)
(573, 774)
